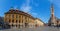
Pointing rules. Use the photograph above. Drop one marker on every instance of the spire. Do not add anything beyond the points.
(52, 15)
(52, 21)
(52, 8)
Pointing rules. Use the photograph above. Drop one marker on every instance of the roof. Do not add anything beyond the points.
(57, 19)
(40, 20)
(15, 11)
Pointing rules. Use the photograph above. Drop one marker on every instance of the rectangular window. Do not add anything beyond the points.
(17, 17)
(12, 15)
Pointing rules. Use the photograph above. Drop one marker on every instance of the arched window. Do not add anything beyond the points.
(16, 25)
(16, 21)
(26, 24)
(12, 15)
(17, 16)
(19, 21)
(12, 21)
(22, 21)
(9, 21)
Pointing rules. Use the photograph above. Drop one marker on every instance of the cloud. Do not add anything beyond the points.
(34, 14)
(26, 5)
(26, 8)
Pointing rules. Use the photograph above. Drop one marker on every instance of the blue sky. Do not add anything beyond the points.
(37, 8)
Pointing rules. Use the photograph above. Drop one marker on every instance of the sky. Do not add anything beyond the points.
(37, 8)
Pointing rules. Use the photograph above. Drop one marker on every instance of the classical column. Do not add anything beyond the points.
(10, 18)
(24, 21)
(18, 20)
(15, 19)
(21, 18)
(21, 21)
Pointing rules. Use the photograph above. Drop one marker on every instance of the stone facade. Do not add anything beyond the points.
(39, 22)
(53, 21)
(17, 18)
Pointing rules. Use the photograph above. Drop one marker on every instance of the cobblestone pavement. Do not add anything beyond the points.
(35, 29)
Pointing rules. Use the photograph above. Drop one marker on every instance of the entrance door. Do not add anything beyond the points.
(26, 24)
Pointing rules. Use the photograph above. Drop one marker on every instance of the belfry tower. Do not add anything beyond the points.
(52, 21)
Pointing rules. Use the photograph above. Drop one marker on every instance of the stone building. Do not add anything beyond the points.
(39, 22)
(19, 19)
(53, 21)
